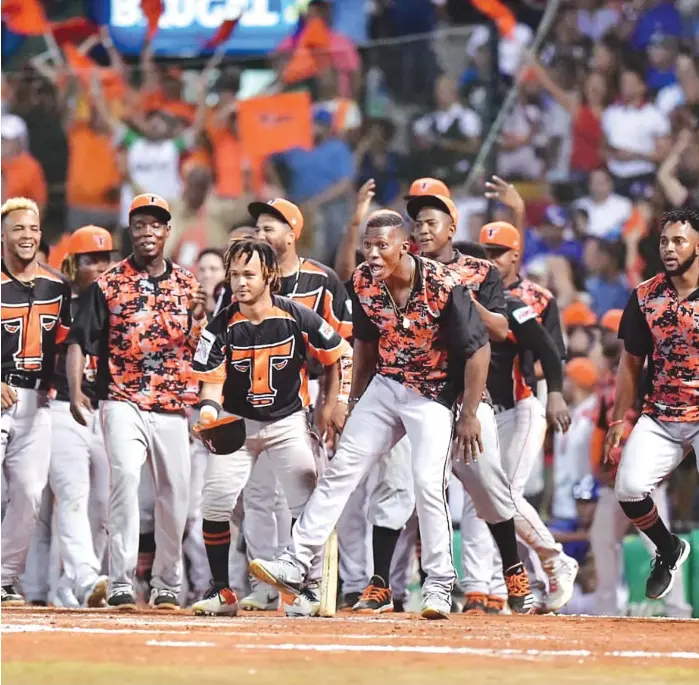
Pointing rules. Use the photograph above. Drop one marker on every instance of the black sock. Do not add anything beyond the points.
(217, 540)
(146, 555)
(383, 542)
(506, 540)
(644, 515)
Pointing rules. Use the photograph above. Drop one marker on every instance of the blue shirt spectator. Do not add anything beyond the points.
(661, 17)
(606, 295)
(549, 240)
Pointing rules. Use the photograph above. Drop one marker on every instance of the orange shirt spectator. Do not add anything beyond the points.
(23, 176)
(236, 174)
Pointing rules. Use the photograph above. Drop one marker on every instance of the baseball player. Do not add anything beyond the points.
(610, 523)
(522, 432)
(35, 318)
(435, 218)
(142, 319)
(660, 323)
(408, 314)
(260, 344)
(78, 460)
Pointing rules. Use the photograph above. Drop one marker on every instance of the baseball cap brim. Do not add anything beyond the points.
(155, 210)
(257, 209)
(419, 202)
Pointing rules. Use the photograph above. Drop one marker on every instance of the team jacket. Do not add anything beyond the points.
(59, 386)
(544, 304)
(35, 319)
(142, 333)
(264, 366)
(656, 325)
(526, 335)
(443, 321)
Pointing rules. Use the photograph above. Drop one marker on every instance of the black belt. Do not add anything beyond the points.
(18, 380)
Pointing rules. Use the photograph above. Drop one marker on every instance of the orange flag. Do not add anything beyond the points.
(152, 10)
(112, 83)
(501, 14)
(222, 34)
(73, 30)
(25, 17)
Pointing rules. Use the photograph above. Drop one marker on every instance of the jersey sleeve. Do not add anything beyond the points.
(363, 328)
(91, 321)
(337, 309)
(551, 319)
(64, 316)
(322, 341)
(491, 293)
(209, 362)
(466, 331)
(634, 330)
(532, 336)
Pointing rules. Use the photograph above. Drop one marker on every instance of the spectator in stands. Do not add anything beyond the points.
(685, 90)
(321, 180)
(657, 16)
(22, 175)
(606, 282)
(607, 211)
(210, 272)
(448, 138)
(345, 112)
(568, 41)
(678, 175)
(595, 18)
(662, 55)
(632, 131)
(551, 239)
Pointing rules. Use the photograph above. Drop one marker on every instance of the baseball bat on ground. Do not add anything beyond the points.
(328, 583)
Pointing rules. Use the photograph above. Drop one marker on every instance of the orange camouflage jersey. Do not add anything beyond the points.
(142, 332)
(35, 320)
(264, 366)
(441, 316)
(657, 325)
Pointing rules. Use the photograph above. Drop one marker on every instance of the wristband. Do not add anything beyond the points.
(617, 423)
(353, 400)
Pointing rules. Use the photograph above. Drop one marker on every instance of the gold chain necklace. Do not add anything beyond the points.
(405, 321)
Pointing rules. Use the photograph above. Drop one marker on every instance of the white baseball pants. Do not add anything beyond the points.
(653, 451)
(132, 438)
(76, 453)
(386, 412)
(609, 527)
(392, 501)
(25, 456)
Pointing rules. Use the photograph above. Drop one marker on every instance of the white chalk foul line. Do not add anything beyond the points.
(172, 643)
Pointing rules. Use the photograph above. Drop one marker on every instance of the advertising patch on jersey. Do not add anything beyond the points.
(206, 342)
(524, 314)
(326, 331)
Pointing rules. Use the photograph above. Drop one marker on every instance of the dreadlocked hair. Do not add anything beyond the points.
(682, 216)
(248, 248)
(69, 267)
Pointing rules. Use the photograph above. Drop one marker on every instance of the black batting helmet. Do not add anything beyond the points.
(224, 436)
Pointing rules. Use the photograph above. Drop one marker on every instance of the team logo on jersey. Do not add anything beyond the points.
(29, 323)
(326, 331)
(206, 342)
(311, 299)
(524, 314)
(260, 363)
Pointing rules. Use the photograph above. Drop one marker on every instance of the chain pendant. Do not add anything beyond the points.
(406, 323)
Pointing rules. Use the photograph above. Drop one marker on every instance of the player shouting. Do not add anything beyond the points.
(660, 323)
(261, 343)
(35, 318)
(408, 313)
(141, 319)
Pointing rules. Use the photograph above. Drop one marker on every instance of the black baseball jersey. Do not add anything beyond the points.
(264, 366)
(60, 380)
(316, 286)
(35, 319)
(482, 279)
(506, 382)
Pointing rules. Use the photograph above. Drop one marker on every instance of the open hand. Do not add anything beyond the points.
(611, 443)
(557, 412)
(502, 191)
(468, 437)
(9, 396)
(80, 404)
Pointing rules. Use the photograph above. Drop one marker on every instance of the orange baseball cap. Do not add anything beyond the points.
(90, 239)
(150, 201)
(582, 372)
(500, 234)
(441, 202)
(578, 314)
(282, 209)
(428, 186)
(611, 320)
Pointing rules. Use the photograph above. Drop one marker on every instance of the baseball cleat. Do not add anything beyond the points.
(10, 597)
(349, 600)
(662, 570)
(519, 592)
(495, 605)
(162, 598)
(398, 606)
(281, 573)
(218, 601)
(562, 573)
(305, 604)
(96, 596)
(262, 598)
(435, 607)
(122, 600)
(376, 598)
(476, 604)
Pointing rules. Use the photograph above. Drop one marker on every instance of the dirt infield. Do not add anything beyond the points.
(58, 646)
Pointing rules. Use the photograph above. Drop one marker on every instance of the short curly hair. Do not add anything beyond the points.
(681, 216)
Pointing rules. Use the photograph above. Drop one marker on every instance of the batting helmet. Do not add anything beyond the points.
(90, 239)
(224, 436)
